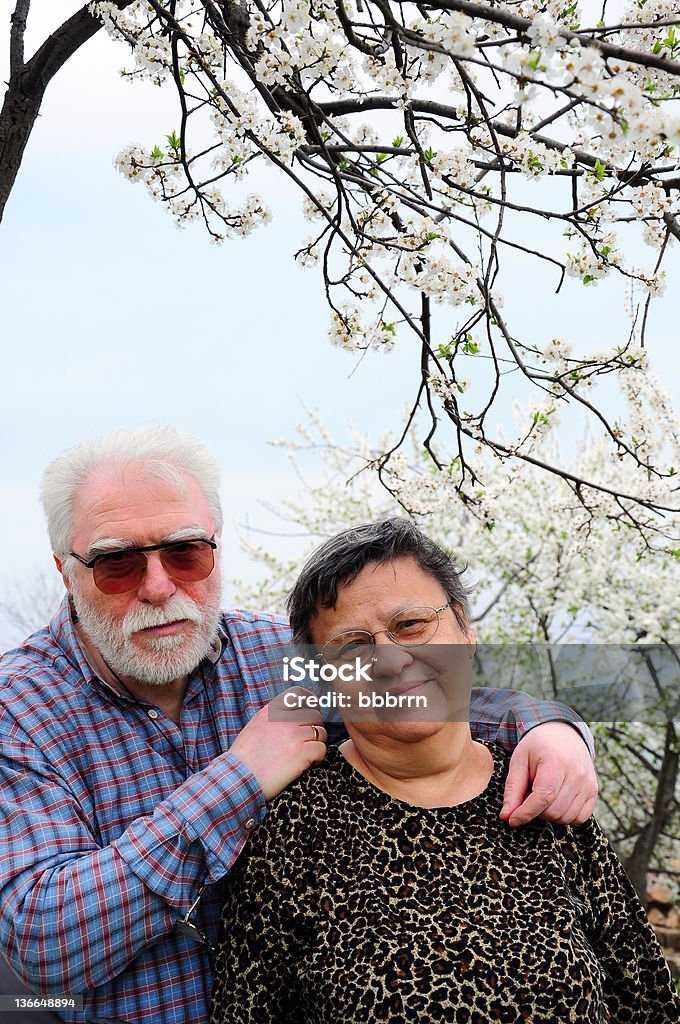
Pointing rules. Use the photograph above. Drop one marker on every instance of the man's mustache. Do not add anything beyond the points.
(148, 616)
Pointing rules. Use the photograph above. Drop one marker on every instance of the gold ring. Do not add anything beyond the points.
(316, 732)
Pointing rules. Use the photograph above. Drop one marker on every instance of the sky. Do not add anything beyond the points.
(112, 316)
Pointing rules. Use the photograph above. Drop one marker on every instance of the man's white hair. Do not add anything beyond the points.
(164, 451)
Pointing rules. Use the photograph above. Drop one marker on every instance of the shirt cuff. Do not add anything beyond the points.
(565, 714)
(202, 825)
(217, 807)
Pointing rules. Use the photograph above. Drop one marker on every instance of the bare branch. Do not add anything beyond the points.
(51, 56)
(17, 33)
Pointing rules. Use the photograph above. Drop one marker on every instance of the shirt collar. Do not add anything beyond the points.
(62, 628)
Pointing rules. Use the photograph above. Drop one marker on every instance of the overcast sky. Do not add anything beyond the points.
(112, 316)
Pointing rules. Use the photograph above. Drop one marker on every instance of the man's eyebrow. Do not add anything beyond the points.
(104, 545)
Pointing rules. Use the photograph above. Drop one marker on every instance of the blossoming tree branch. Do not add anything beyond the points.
(555, 596)
(430, 142)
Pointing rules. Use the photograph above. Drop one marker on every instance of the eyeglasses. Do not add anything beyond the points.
(187, 925)
(116, 572)
(408, 628)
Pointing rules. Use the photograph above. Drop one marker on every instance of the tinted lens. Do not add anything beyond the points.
(119, 571)
(413, 625)
(188, 561)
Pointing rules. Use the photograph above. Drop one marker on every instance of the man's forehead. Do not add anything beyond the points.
(137, 505)
(132, 472)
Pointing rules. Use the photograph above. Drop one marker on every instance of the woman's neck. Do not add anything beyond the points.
(441, 770)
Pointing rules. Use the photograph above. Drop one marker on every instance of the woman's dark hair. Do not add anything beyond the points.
(341, 559)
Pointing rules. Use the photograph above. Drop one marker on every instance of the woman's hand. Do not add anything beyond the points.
(551, 776)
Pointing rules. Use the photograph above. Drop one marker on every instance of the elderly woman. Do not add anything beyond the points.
(383, 885)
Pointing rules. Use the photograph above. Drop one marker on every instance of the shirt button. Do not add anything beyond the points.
(250, 823)
(152, 713)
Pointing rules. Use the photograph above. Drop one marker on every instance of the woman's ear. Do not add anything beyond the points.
(467, 629)
(469, 637)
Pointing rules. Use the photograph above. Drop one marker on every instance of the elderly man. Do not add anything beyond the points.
(136, 750)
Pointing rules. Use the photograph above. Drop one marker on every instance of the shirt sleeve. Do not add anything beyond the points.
(637, 981)
(263, 927)
(505, 716)
(74, 912)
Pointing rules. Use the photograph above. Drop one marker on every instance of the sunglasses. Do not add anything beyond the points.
(116, 572)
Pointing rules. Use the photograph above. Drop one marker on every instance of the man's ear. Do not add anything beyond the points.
(60, 567)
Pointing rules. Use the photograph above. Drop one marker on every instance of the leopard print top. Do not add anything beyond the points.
(351, 906)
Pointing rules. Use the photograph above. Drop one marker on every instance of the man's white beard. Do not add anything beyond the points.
(167, 657)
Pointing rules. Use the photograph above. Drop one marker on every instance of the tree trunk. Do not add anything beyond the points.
(28, 82)
(17, 117)
(637, 864)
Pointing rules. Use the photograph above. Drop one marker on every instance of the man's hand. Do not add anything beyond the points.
(278, 743)
(551, 776)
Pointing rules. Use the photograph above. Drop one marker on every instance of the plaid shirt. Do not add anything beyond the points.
(105, 842)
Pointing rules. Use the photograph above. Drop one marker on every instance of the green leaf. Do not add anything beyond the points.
(535, 63)
(599, 170)
(671, 42)
(174, 141)
(398, 141)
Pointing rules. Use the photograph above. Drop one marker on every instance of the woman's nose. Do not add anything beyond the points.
(389, 657)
